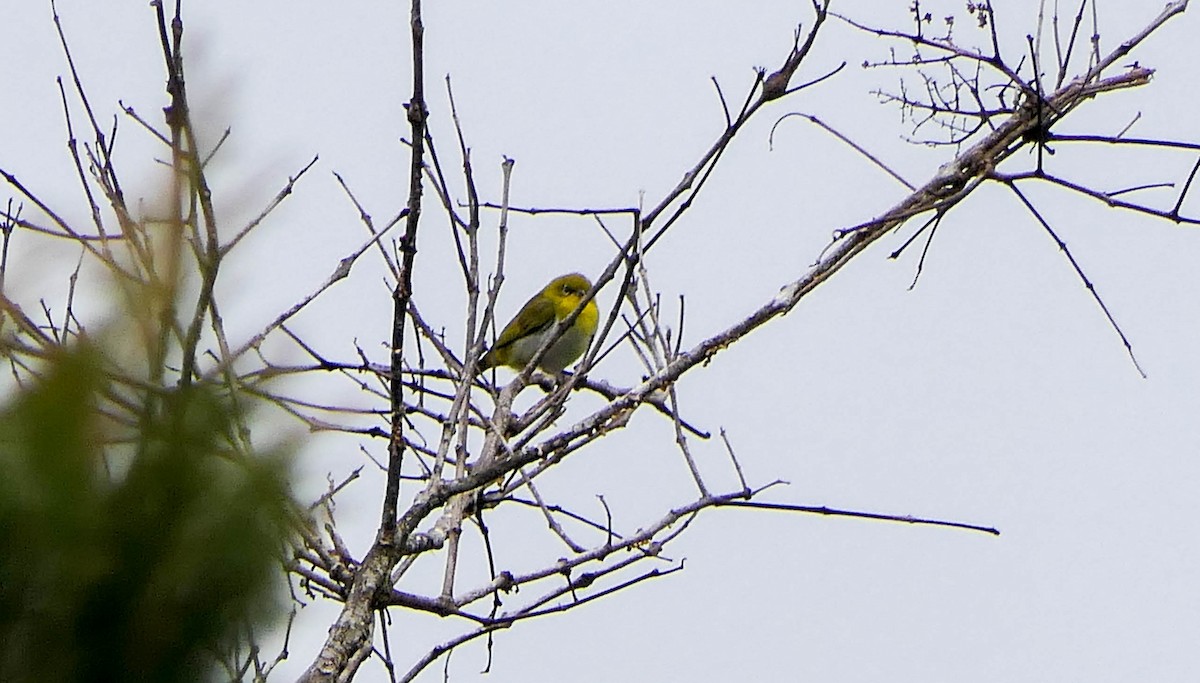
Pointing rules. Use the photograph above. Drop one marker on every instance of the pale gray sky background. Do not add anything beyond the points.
(993, 393)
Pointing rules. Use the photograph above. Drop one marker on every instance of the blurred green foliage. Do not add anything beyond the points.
(132, 566)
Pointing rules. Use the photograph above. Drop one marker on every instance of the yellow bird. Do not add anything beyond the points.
(534, 324)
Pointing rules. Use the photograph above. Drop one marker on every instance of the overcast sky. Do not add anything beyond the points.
(994, 392)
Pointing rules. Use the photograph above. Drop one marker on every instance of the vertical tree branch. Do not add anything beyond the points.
(403, 293)
(352, 632)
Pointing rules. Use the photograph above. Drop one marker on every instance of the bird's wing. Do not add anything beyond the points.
(535, 316)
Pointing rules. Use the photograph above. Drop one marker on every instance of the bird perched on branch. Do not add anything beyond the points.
(535, 322)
